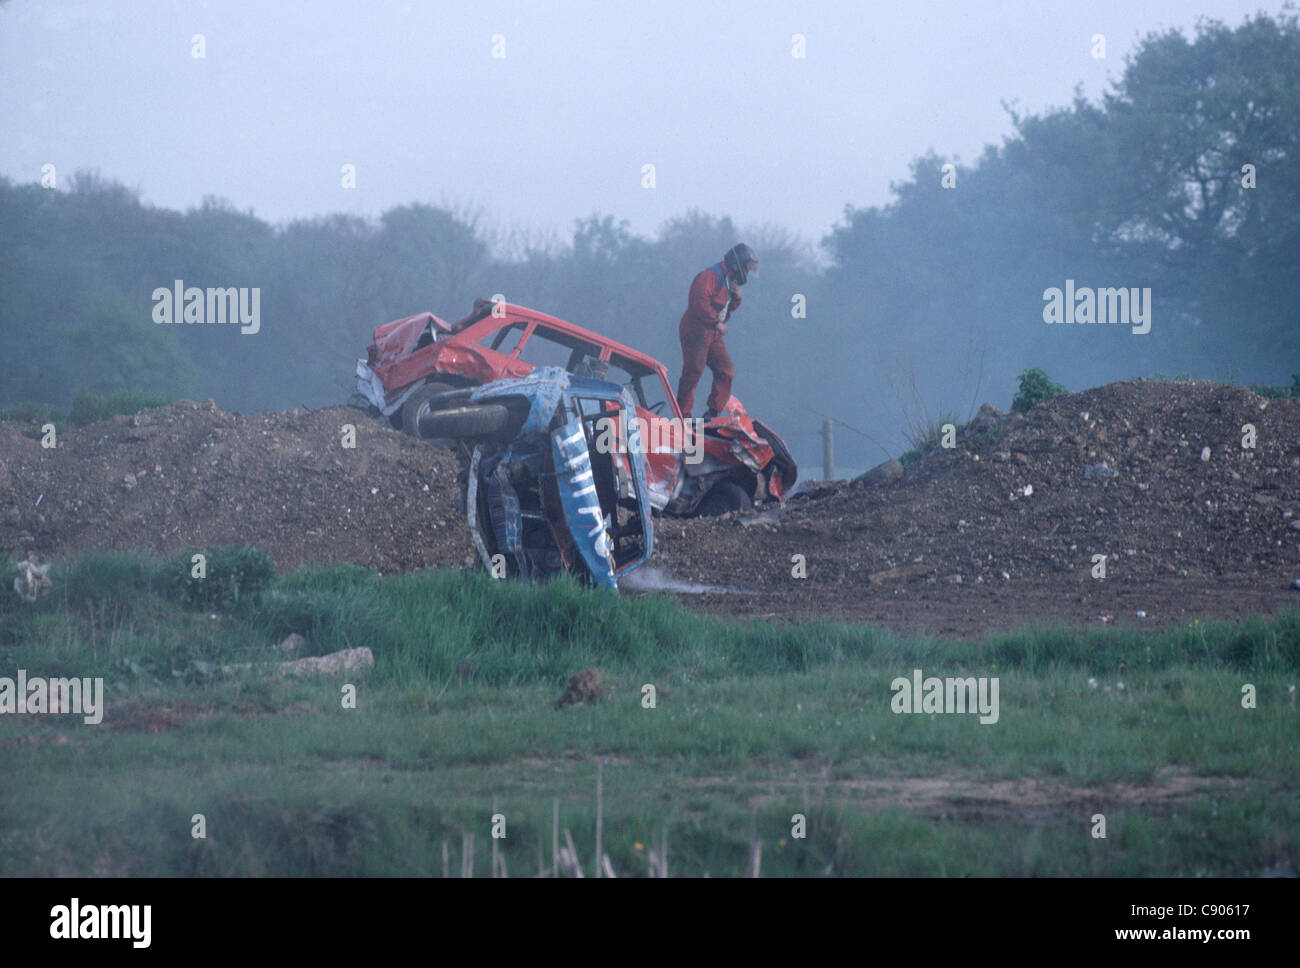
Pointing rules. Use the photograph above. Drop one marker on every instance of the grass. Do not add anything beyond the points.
(86, 408)
(760, 722)
(925, 436)
(1264, 390)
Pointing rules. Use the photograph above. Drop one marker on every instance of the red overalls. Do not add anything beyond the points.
(711, 300)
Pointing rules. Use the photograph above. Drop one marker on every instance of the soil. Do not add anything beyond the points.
(1032, 800)
(191, 476)
(956, 545)
(997, 532)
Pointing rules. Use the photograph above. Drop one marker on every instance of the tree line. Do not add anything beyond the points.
(1181, 178)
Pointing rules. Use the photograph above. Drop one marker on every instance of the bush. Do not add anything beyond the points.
(32, 417)
(106, 575)
(1270, 391)
(232, 574)
(88, 408)
(1035, 387)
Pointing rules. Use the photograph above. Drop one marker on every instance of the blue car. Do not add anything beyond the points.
(558, 484)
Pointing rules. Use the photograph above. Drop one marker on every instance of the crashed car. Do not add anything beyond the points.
(419, 373)
(553, 496)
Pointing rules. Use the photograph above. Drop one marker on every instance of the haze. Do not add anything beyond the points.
(586, 94)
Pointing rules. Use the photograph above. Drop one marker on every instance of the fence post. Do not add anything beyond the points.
(828, 452)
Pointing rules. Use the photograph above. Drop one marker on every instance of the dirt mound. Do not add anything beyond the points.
(997, 532)
(1007, 523)
(190, 475)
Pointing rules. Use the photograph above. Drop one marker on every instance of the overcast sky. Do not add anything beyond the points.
(561, 126)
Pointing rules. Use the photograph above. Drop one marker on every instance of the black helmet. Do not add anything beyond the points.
(741, 261)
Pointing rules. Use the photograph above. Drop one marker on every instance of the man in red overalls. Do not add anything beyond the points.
(714, 296)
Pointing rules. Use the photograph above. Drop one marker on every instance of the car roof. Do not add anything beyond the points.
(522, 314)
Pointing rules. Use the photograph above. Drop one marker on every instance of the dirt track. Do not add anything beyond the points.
(954, 545)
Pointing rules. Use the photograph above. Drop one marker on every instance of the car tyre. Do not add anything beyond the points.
(478, 420)
(723, 498)
(418, 403)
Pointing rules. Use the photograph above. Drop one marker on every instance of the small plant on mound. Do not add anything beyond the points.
(229, 574)
(88, 408)
(1035, 387)
(924, 436)
(1264, 390)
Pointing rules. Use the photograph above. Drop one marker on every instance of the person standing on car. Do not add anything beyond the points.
(714, 297)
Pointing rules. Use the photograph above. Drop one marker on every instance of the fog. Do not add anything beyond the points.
(361, 163)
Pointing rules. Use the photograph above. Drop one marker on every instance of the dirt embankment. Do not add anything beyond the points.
(1003, 528)
(1000, 531)
(190, 475)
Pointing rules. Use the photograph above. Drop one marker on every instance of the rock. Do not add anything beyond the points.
(1294, 525)
(33, 580)
(129, 481)
(1101, 469)
(763, 518)
(292, 646)
(1205, 453)
(987, 418)
(904, 571)
(347, 660)
(888, 471)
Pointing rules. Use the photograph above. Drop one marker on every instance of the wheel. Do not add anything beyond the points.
(722, 498)
(478, 420)
(417, 403)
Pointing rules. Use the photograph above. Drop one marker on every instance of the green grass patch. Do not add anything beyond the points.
(89, 408)
(757, 722)
(86, 408)
(1264, 390)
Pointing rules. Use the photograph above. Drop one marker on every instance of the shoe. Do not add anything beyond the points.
(710, 414)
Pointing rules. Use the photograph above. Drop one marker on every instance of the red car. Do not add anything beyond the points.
(419, 373)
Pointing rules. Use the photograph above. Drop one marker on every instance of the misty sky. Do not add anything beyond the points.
(586, 94)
